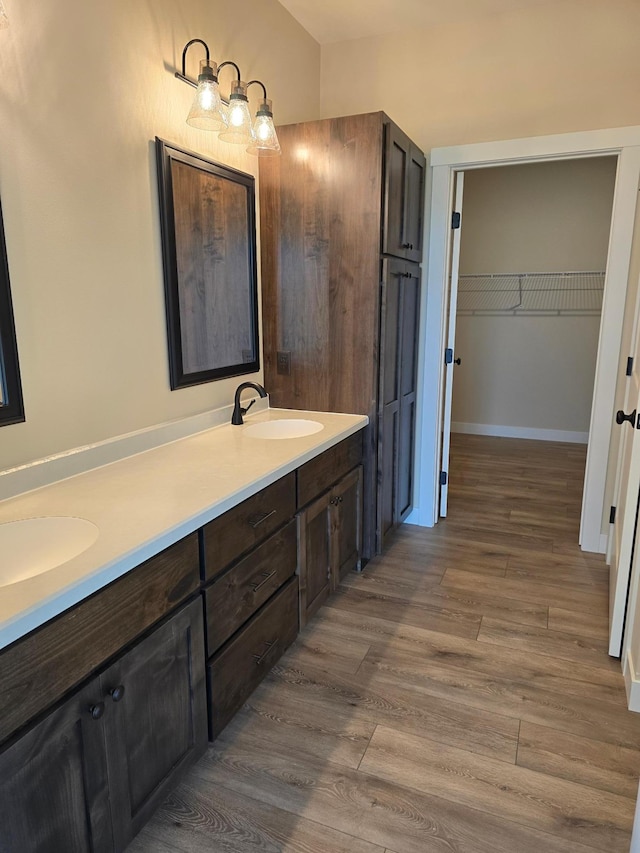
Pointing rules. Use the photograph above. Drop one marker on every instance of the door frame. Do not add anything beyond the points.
(623, 142)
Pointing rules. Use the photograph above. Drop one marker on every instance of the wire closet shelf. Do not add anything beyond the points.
(531, 293)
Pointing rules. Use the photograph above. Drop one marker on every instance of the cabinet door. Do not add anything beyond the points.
(389, 399)
(53, 783)
(314, 555)
(405, 168)
(398, 380)
(346, 525)
(156, 720)
(407, 383)
(414, 222)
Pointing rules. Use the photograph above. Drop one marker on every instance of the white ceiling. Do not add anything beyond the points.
(338, 20)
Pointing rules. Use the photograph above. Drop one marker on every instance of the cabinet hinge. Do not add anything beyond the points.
(612, 515)
(443, 478)
(455, 220)
(629, 366)
(448, 356)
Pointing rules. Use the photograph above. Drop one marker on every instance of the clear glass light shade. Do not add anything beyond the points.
(4, 21)
(239, 129)
(208, 111)
(266, 139)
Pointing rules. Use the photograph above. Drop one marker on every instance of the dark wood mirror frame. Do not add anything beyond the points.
(207, 219)
(11, 404)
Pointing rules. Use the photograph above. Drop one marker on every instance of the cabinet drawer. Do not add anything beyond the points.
(243, 663)
(236, 595)
(240, 529)
(320, 473)
(39, 669)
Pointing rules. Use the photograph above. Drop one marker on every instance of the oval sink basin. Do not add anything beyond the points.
(36, 545)
(284, 428)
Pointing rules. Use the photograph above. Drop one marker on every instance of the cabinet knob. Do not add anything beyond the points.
(96, 710)
(117, 693)
(407, 246)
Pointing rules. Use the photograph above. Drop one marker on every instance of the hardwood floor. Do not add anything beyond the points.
(457, 697)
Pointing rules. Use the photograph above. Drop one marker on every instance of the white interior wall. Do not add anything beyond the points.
(85, 89)
(531, 376)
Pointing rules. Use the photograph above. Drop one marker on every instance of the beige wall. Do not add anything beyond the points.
(85, 89)
(563, 66)
(538, 217)
(533, 372)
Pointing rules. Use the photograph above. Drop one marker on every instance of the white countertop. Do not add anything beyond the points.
(144, 503)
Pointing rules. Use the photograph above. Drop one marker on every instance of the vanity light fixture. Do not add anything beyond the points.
(231, 119)
(239, 129)
(265, 137)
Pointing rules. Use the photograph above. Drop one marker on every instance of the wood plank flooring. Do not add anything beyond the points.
(457, 697)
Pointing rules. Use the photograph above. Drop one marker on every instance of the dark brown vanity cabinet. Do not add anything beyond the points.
(270, 562)
(329, 522)
(251, 595)
(88, 774)
(405, 172)
(54, 789)
(155, 719)
(400, 308)
(329, 217)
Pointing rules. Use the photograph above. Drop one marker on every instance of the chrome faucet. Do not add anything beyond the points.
(238, 411)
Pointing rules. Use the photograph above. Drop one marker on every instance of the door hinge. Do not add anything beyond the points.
(455, 220)
(612, 515)
(448, 356)
(443, 478)
(629, 366)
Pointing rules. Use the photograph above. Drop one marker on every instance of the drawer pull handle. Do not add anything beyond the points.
(269, 644)
(97, 710)
(256, 520)
(266, 576)
(117, 693)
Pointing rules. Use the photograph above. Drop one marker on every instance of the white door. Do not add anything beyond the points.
(624, 528)
(449, 355)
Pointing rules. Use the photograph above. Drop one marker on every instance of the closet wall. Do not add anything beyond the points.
(529, 371)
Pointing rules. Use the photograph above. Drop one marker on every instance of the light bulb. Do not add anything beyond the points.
(239, 128)
(208, 111)
(266, 139)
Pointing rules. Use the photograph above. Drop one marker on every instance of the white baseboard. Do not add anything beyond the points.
(631, 683)
(521, 432)
(416, 517)
(42, 472)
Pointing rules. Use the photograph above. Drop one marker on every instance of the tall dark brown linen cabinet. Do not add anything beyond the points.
(341, 221)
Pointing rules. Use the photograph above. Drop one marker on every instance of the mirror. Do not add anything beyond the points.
(207, 217)
(11, 405)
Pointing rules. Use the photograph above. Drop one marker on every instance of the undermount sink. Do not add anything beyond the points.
(33, 546)
(283, 428)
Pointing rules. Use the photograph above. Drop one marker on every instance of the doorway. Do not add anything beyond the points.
(624, 142)
(533, 253)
